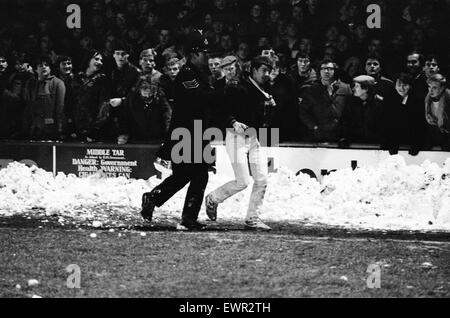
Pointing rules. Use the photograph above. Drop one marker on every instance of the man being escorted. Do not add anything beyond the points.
(246, 106)
(193, 96)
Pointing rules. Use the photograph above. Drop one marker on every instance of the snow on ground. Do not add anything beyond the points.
(391, 196)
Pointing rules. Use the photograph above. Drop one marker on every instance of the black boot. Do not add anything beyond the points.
(148, 205)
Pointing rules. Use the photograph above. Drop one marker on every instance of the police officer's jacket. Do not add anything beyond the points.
(193, 102)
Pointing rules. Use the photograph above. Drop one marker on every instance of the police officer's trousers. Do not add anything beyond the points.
(182, 174)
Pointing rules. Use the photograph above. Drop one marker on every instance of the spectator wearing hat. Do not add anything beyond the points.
(322, 105)
(230, 69)
(246, 103)
(437, 112)
(44, 97)
(193, 98)
(362, 116)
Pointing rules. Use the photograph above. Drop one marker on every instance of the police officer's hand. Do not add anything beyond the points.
(239, 128)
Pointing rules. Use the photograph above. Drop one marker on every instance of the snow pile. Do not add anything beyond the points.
(390, 196)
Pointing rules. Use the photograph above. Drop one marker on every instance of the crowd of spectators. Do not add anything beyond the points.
(334, 80)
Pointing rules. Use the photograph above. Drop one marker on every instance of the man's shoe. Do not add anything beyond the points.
(191, 226)
(148, 206)
(211, 207)
(256, 225)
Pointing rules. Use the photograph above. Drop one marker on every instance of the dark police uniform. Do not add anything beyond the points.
(193, 98)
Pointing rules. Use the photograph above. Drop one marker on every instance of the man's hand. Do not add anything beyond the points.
(115, 102)
(239, 128)
(271, 102)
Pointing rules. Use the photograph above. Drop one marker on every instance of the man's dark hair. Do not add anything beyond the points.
(87, 58)
(405, 78)
(62, 58)
(421, 57)
(41, 60)
(259, 61)
(302, 55)
(374, 56)
(120, 46)
(431, 57)
(328, 61)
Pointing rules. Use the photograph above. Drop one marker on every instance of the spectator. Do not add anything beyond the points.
(431, 66)
(404, 123)
(214, 62)
(44, 97)
(123, 78)
(167, 80)
(415, 65)
(147, 62)
(303, 74)
(437, 112)
(283, 115)
(226, 44)
(243, 56)
(64, 72)
(362, 116)
(322, 106)
(148, 113)
(91, 104)
(384, 87)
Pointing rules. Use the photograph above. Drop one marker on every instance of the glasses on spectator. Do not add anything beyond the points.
(303, 61)
(327, 68)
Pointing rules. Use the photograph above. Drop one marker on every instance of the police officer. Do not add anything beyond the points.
(193, 96)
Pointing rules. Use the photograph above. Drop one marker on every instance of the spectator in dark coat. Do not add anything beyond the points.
(384, 87)
(64, 72)
(284, 114)
(167, 80)
(362, 117)
(44, 97)
(124, 77)
(404, 123)
(415, 64)
(303, 74)
(322, 106)
(91, 98)
(149, 113)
